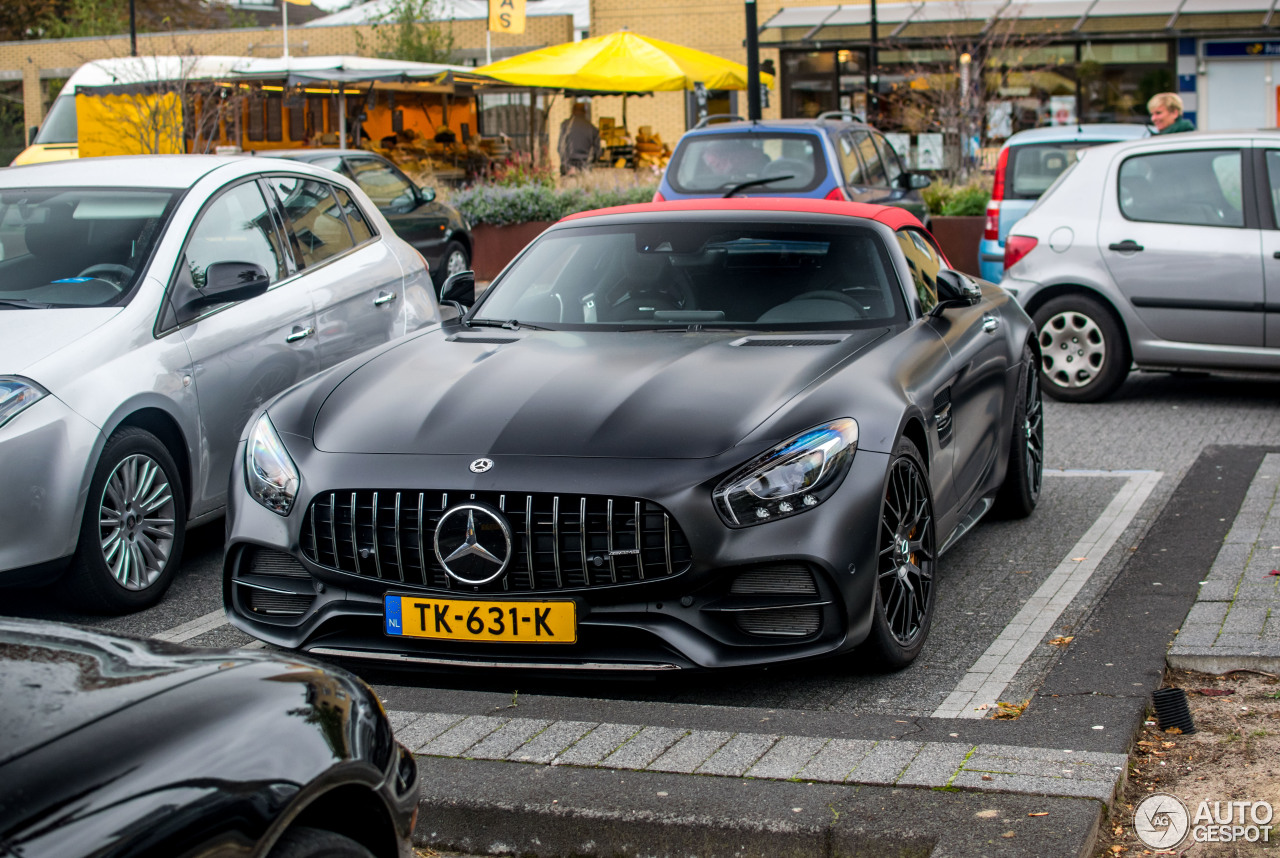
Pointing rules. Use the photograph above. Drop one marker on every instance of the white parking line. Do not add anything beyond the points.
(194, 628)
(980, 689)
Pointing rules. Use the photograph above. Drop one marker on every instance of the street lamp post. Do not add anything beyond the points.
(753, 64)
(872, 79)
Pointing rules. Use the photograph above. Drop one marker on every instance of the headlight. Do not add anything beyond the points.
(269, 474)
(792, 477)
(16, 395)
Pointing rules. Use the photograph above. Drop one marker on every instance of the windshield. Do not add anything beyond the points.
(684, 274)
(76, 247)
(60, 123)
(714, 163)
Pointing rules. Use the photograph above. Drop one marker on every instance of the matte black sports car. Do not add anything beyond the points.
(697, 434)
(113, 747)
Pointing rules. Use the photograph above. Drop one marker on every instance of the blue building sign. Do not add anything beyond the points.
(1243, 48)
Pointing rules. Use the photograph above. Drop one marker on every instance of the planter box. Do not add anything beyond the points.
(959, 237)
(495, 246)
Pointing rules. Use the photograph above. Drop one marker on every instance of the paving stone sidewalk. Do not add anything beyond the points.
(983, 767)
(1235, 621)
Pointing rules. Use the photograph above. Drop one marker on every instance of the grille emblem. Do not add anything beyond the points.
(480, 466)
(473, 543)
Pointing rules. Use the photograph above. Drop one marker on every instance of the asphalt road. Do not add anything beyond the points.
(1114, 466)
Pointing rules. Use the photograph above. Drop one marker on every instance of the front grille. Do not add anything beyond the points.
(781, 623)
(276, 604)
(785, 578)
(560, 542)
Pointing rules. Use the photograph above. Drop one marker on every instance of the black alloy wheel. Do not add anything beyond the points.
(1024, 478)
(905, 563)
(317, 843)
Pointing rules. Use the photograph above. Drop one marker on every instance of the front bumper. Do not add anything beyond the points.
(688, 620)
(44, 464)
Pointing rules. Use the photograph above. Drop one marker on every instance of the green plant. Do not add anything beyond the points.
(502, 205)
(409, 30)
(957, 200)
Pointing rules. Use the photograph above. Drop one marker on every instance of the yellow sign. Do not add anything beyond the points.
(506, 16)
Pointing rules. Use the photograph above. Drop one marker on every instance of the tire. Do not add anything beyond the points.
(1024, 475)
(133, 529)
(317, 843)
(907, 556)
(1084, 356)
(454, 259)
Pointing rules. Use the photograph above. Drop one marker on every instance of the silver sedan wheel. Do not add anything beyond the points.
(136, 522)
(1073, 349)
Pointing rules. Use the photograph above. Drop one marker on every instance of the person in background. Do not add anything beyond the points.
(1166, 113)
(579, 144)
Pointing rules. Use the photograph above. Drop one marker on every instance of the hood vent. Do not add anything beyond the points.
(788, 342)
(493, 341)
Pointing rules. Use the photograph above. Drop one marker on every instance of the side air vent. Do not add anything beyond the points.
(270, 604)
(274, 584)
(788, 579)
(265, 562)
(782, 623)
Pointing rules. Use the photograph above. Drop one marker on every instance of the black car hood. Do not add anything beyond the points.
(55, 678)
(635, 394)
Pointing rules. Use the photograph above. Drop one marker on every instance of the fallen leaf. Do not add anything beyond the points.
(1273, 572)
(986, 777)
(1008, 834)
(1022, 572)
(1177, 731)
(1169, 744)
(1041, 813)
(1006, 711)
(1062, 640)
(1078, 559)
(1117, 849)
(1217, 692)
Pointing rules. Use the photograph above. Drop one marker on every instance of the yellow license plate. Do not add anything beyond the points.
(498, 622)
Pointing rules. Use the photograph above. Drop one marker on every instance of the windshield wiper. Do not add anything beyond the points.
(22, 304)
(755, 182)
(510, 325)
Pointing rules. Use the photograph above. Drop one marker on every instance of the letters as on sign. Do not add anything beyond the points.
(506, 16)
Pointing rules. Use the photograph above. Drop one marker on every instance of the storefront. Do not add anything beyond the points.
(985, 69)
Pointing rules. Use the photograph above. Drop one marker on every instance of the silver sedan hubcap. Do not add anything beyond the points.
(136, 522)
(1073, 349)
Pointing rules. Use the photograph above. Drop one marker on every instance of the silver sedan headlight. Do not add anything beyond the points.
(17, 394)
(795, 476)
(269, 474)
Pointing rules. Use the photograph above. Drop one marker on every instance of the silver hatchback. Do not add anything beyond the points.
(1162, 253)
(148, 306)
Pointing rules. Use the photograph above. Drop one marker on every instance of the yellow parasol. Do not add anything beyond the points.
(622, 62)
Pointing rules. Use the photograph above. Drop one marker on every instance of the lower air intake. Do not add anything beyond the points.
(782, 622)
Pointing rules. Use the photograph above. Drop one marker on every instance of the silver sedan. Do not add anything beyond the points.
(148, 306)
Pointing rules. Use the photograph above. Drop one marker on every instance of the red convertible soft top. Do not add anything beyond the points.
(888, 215)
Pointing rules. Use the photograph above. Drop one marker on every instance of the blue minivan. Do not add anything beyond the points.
(1027, 165)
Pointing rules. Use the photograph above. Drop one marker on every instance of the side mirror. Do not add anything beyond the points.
(915, 181)
(459, 289)
(227, 282)
(427, 194)
(956, 290)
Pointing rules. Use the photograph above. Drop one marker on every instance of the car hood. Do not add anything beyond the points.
(634, 394)
(29, 336)
(56, 678)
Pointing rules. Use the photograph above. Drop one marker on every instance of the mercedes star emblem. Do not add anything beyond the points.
(479, 466)
(473, 543)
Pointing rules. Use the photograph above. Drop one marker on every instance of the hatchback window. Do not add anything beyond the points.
(700, 273)
(235, 227)
(314, 217)
(714, 163)
(1197, 188)
(76, 247)
(1033, 167)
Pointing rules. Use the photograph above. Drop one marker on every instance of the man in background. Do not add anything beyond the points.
(1166, 113)
(579, 142)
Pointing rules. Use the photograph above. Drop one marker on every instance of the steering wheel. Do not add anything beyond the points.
(670, 291)
(123, 272)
